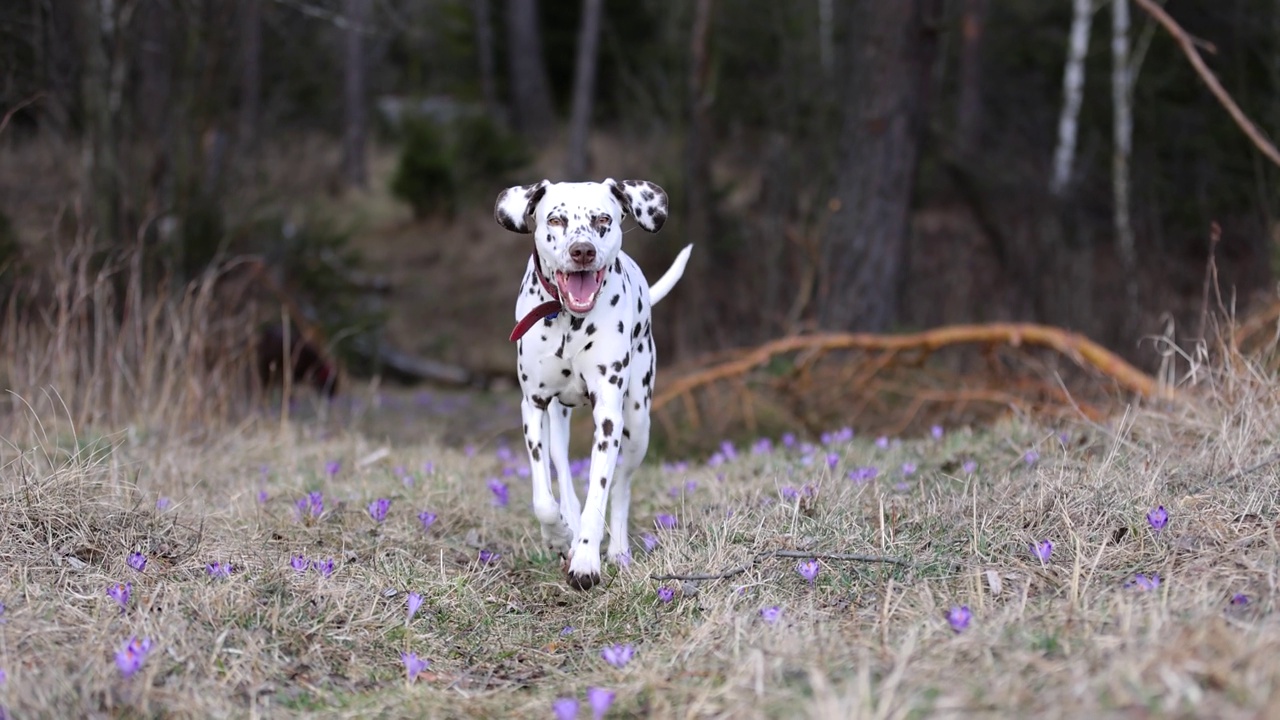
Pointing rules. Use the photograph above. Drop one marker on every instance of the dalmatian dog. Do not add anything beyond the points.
(584, 339)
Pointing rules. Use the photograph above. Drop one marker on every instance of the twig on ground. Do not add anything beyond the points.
(733, 572)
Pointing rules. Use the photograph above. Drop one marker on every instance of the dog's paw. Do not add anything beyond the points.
(584, 570)
(583, 581)
(619, 554)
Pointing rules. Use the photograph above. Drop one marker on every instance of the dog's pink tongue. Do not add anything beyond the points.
(581, 285)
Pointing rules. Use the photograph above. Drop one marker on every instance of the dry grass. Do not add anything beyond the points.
(864, 641)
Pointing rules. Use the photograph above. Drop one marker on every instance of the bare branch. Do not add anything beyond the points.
(1188, 46)
(4, 122)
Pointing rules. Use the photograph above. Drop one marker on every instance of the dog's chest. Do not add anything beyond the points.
(567, 356)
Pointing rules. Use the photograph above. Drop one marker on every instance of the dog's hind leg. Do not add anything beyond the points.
(556, 535)
(558, 446)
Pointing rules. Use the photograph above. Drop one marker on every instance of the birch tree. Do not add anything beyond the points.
(1072, 95)
(531, 109)
(584, 88)
(1122, 138)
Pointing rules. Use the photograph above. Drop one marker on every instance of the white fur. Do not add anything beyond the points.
(602, 358)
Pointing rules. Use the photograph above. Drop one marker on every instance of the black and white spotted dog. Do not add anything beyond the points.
(583, 338)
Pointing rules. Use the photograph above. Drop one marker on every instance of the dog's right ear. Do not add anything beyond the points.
(515, 206)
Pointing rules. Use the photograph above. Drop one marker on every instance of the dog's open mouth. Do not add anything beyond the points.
(578, 290)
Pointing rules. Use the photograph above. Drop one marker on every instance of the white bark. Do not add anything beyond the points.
(1072, 94)
(1122, 138)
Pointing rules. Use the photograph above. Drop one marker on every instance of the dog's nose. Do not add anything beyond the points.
(582, 253)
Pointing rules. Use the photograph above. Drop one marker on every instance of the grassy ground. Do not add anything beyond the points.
(1064, 638)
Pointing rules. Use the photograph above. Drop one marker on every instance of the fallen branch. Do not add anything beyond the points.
(1189, 49)
(733, 572)
(1081, 350)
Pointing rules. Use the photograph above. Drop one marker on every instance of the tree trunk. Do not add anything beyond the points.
(1072, 94)
(969, 102)
(99, 163)
(826, 36)
(250, 71)
(531, 108)
(1122, 100)
(483, 19)
(584, 89)
(698, 328)
(889, 58)
(355, 130)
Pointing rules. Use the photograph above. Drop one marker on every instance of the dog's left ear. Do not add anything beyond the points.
(516, 204)
(643, 199)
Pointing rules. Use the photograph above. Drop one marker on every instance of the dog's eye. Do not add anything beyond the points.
(555, 222)
(601, 220)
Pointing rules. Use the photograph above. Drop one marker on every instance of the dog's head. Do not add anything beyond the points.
(577, 228)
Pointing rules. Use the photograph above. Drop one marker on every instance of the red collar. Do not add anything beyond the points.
(548, 309)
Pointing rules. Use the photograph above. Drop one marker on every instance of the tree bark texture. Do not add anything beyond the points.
(355, 125)
(584, 89)
(889, 57)
(1072, 94)
(1122, 106)
(100, 97)
(969, 103)
(531, 109)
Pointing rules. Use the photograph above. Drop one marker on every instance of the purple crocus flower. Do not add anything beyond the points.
(959, 618)
(790, 493)
(1031, 457)
(300, 564)
(808, 570)
(1239, 599)
(120, 593)
(666, 594)
(650, 541)
(1158, 518)
(969, 467)
(599, 699)
(325, 568)
(566, 630)
(138, 561)
(488, 558)
(665, 521)
(263, 497)
(565, 708)
(762, 446)
(428, 468)
(863, 474)
(788, 440)
(936, 432)
(1145, 583)
(771, 614)
(427, 518)
(908, 468)
(315, 502)
(413, 665)
(378, 509)
(332, 468)
(618, 655)
(219, 569)
(162, 504)
(500, 492)
(415, 602)
(730, 452)
(833, 459)
(1042, 550)
(130, 657)
(882, 442)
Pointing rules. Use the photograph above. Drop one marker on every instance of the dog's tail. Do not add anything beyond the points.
(659, 290)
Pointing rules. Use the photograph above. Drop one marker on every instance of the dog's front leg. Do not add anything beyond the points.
(555, 532)
(558, 445)
(584, 568)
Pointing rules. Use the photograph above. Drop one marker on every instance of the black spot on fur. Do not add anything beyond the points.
(575, 323)
(602, 369)
(604, 481)
(607, 427)
(604, 445)
(617, 366)
(635, 332)
(588, 346)
(626, 433)
(614, 301)
(639, 304)
(622, 328)
(537, 454)
(617, 265)
(523, 377)
(591, 329)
